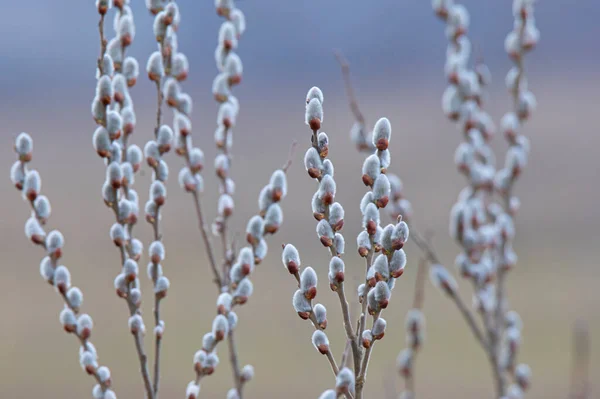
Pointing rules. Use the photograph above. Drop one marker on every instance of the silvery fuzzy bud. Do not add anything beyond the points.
(318, 207)
(126, 31)
(329, 394)
(320, 313)
(260, 251)
(135, 297)
(381, 134)
(102, 142)
(152, 153)
(327, 189)
(227, 36)
(386, 239)
(190, 182)
(126, 210)
(47, 269)
(131, 70)
(308, 283)
(225, 205)
(236, 274)
(32, 185)
(397, 263)
(344, 381)
(155, 67)
(164, 139)
(232, 318)
(254, 230)
(371, 170)
(233, 394)
(224, 302)
(381, 268)
(210, 363)
(220, 327)
(290, 258)
(180, 66)
(161, 172)
(405, 362)
(23, 147)
(336, 272)
(514, 392)
(84, 326)
(512, 319)
(273, 219)
(361, 291)
(128, 174)
(328, 168)
(325, 233)
(367, 339)
(247, 373)
(233, 68)
(378, 330)
(136, 325)
(320, 342)
(239, 21)
(220, 88)
(226, 117)
(382, 294)
(151, 210)
(246, 259)
(371, 218)
(301, 305)
(400, 235)
(196, 157)
(385, 159)
(62, 279)
(222, 165)
(278, 185)
(313, 163)
(161, 287)
(104, 90)
(371, 280)
(523, 375)
(185, 104)
(114, 124)
(363, 241)
(451, 102)
(104, 375)
(42, 208)
(130, 270)
(441, 278)
(314, 92)
(243, 291)
(414, 325)
(158, 192)
(209, 342)
(121, 286)
(527, 104)
(340, 243)
(154, 271)
(75, 298)
(381, 191)
(366, 200)
(313, 116)
(323, 145)
(88, 362)
(183, 127)
(68, 320)
(17, 175)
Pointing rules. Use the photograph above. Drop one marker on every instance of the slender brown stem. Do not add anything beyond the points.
(361, 379)
(580, 384)
(235, 366)
(143, 364)
(348, 327)
(102, 44)
(349, 88)
(206, 239)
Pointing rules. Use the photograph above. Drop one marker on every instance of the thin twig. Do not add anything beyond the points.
(432, 258)
(349, 88)
(206, 239)
(580, 374)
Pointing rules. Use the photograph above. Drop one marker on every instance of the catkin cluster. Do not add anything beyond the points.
(381, 271)
(482, 220)
(29, 182)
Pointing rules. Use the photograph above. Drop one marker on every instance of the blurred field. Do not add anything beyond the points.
(396, 51)
(554, 284)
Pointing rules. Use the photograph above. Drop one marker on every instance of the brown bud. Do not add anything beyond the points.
(338, 226)
(276, 194)
(315, 173)
(326, 241)
(90, 369)
(292, 267)
(371, 227)
(311, 293)
(366, 343)
(397, 273)
(327, 199)
(318, 216)
(126, 40)
(383, 201)
(182, 76)
(70, 328)
(382, 144)
(363, 251)
(323, 349)
(304, 315)
(235, 80)
(31, 195)
(367, 180)
(315, 124)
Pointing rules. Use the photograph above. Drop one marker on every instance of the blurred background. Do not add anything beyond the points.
(396, 51)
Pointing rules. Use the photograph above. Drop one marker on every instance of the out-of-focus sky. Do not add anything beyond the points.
(396, 49)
